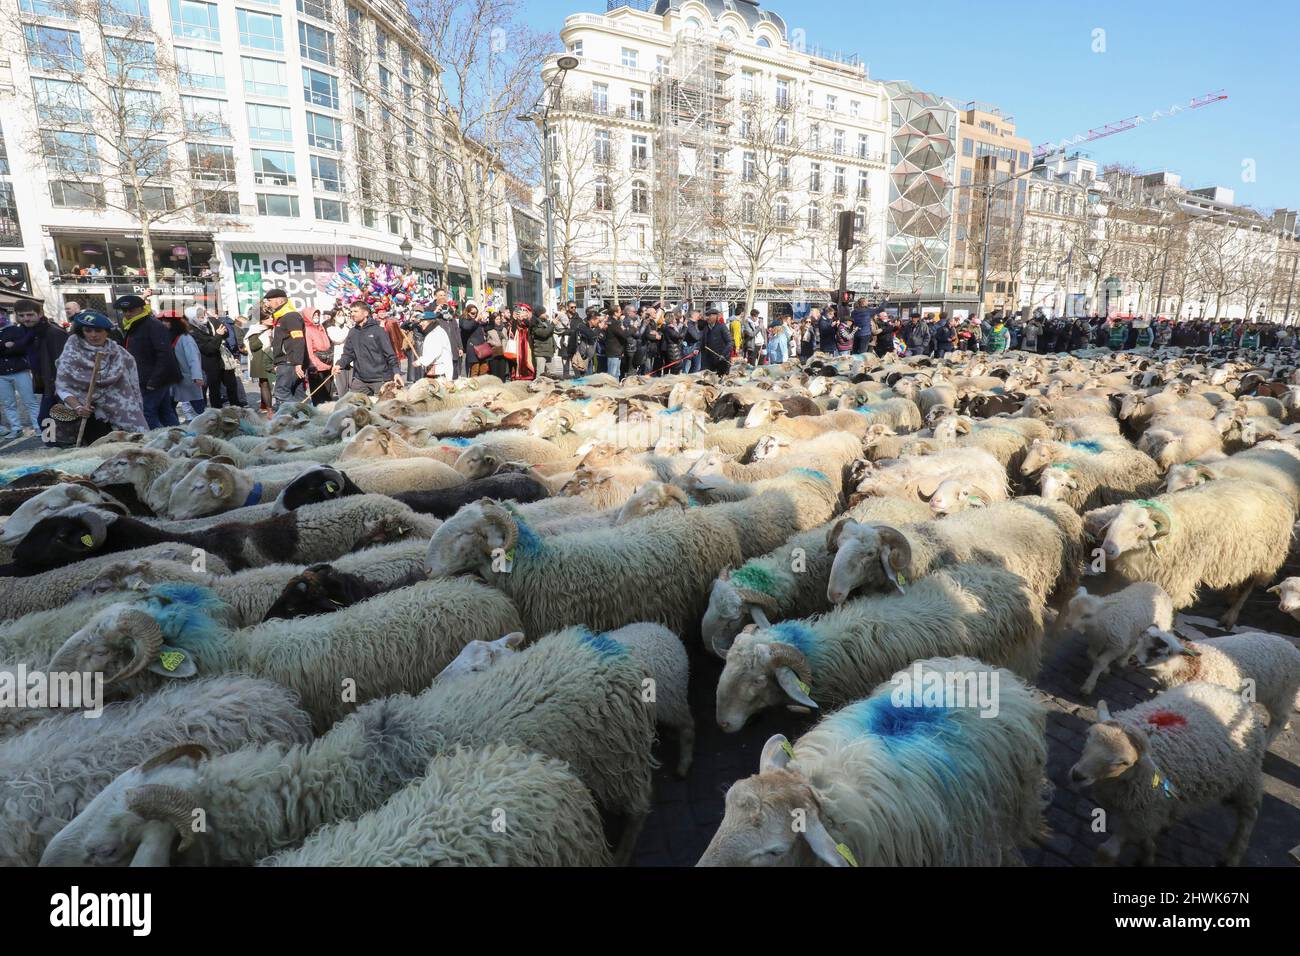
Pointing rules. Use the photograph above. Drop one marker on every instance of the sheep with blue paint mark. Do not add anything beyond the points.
(1048, 451)
(423, 628)
(573, 696)
(920, 773)
(826, 661)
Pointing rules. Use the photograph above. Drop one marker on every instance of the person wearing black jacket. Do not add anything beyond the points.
(694, 338)
(616, 342)
(42, 354)
(544, 341)
(885, 337)
(826, 333)
(717, 343)
(288, 347)
(368, 351)
(670, 349)
(209, 333)
(150, 344)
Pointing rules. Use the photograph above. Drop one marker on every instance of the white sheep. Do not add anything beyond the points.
(1288, 596)
(919, 476)
(917, 774)
(1188, 748)
(449, 817)
(1174, 439)
(1113, 624)
(827, 661)
(595, 578)
(52, 772)
(1088, 481)
(1227, 534)
(572, 696)
(330, 660)
(1272, 463)
(1265, 666)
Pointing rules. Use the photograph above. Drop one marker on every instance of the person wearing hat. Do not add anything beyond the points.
(16, 379)
(542, 335)
(436, 353)
(117, 401)
(442, 313)
(288, 347)
(258, 339)
(210, 336)
(717, 343)
(189, 391)
(150, 344)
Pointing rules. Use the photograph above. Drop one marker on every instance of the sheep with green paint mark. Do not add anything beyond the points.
(899, 779)
(1106, 478)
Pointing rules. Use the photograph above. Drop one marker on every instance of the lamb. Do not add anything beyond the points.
(1106, 478)
(888, 781)
(445, 818)
(52, 771)
(333, 662)
(1188, 748)
(789, 581)
(828, 661)
(1174, 439)
(317, 533)
(595, 578)
(320, 589)
(1266, 664)
(1288, 592)
(1038, 540)
(573, 696)
(1036, 406)
(1113, 625)
(919, 477)
(1227, 534)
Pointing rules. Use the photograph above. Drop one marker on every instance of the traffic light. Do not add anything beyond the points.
(846, 230)
(846, 297)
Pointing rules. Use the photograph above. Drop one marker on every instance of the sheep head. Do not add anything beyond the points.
(1080, 611)
(760, 673)
(584, 480)
(479, 538)
(1137, 525)
(374, 442)
(651, 497)
(866, 555)
(755, 828)
(1156, 646)
(119, 818)
(953, 495)
(1113, 751)
(478, 656)
(478, 461)
(53, 500)
(134, 575)
(1288, 593)
(1187, 475)
(1042, 452)
(208, 488)
(769, 446)
(763, 413)
(1057, 482)
(119, 642)
(61, 539)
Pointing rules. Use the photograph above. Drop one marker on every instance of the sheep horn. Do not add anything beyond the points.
(789, 656)
(759, 600)
(171, 754)
(174, 805)
(900, 549)
(148, 641)
(1161, 519)
(497, 515)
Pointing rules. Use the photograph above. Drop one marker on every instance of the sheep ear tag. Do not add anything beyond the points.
(87, 540)
(173, 662)
(331, 487)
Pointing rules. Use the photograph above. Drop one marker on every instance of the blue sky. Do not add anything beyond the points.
(1036, 61)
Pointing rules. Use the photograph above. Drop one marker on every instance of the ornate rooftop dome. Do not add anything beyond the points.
(748, 10)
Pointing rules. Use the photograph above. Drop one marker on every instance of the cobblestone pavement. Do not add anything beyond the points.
(687, 812)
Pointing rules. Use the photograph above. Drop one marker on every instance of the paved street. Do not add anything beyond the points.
(688, 812)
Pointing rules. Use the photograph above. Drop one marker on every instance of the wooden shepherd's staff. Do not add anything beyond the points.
(90, 395)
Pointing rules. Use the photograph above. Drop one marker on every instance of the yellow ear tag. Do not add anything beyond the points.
(789, 751)
(1155, 780)
(87, 540)
(902, 578)
(171, 659)
(802, 686)
(330, 487)
(510, 556)
(843, 850)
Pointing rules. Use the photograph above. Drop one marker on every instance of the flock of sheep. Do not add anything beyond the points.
(443, 627)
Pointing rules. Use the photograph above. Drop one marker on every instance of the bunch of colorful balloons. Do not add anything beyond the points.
(383, 287)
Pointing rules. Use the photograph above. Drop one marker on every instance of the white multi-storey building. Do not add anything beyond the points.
(288, 112)
(703, 150)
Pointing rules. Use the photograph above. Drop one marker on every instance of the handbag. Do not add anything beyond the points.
(228, 361)
(511, 348)
(483, 351)
(579, 362)
(67, 424)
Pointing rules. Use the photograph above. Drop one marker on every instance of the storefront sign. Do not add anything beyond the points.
(15, 278)
(304, 277)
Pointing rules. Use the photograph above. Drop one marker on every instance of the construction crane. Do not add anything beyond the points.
(1044, 150)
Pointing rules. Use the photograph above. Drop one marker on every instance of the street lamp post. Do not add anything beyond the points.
(405, 249)
(563, 64)
(989, 190)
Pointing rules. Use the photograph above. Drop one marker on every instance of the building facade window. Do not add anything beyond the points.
(324, 132)
(315, 44)
(576, 48)
(628, 57)
(831, 102)
(331, 210)
(153, 198)
(781, 131)
(640, 197)
(205, 116)
(274, 204)
(319, 9)
(272, 167)
(636, 105)
(640, 152)
(320, 89)
(815, 178)
(600, 97)
(601, 148)
(326, 174)
(864, 187)
(782, 93)
(49, 48)
(604, 195)
(269, 124)
(70, 194)
(260, 31)
(264, 78)
(210, 163)
(200, 69)
(839, 181)
(11, 233)
(749, 166)
(839, 142)
(195, 20)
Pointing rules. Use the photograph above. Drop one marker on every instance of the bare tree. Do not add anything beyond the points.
(109, 122)
(1220, 262)
(578, 157)
(766, 207)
